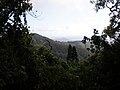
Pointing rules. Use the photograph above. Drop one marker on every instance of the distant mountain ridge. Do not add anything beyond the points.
(60, 49)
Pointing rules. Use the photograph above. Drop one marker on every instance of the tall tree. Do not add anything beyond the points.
(69, 56)
(16, 70)
(105, 63)
(74, 54)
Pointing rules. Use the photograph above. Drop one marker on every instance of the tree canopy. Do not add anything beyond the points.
(114, 7)
(72, 54)
(25, 65)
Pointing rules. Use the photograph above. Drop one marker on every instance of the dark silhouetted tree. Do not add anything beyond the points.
(69, 56)
(104, 64)
(72, 54)
(17, 66)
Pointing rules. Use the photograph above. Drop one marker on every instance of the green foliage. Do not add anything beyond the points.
(25, 65)
(14, 44)
(69, 56)
(103, 66)
(60, 49)
(75, 56)
(53, 73)
(72, 54)
(113, 5)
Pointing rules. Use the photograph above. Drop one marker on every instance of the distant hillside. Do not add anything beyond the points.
(60, 48)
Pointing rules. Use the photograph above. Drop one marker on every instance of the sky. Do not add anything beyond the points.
(66, 19)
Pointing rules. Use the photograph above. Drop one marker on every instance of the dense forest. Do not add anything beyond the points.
(60, 49)
(26, 65)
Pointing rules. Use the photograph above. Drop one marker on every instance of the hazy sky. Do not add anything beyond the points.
(70, 19)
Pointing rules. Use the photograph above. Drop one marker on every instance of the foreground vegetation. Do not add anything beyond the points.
(28, 66)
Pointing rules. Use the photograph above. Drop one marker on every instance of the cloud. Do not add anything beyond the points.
(66, 4)
(63, 18)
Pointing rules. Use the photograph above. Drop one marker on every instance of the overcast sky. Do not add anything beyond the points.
(66, 19)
